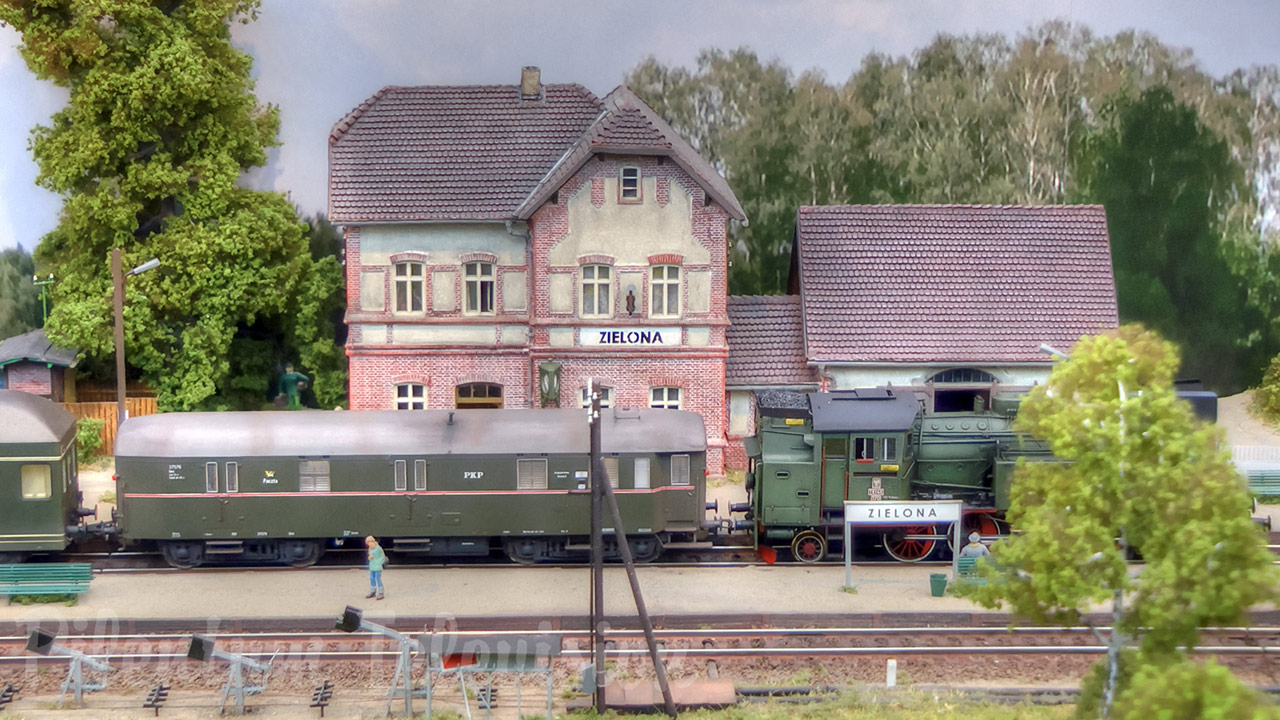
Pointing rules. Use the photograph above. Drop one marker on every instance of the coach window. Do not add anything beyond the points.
(642, 474)
(531, 474)
(606, 397)
(402, 481)
(37, 482)
(611, 470)
(479, 288)
(596, 295)
(679, 469)
(233, 477)
(211, 477)
(664, 291)
(664, 398)
(411, 396)
(313, 476)
(409, 287)
(419, 475)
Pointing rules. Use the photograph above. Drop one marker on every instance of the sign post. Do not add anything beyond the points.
(897, 513)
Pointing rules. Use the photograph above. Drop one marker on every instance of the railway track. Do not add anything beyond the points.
(136, 650)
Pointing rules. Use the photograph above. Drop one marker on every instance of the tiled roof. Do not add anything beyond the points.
(766, 342)
(481, 153)
(450, 153)
(629, 125)
(34, 347)
(952, 283)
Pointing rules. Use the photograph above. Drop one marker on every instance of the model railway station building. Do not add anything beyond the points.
(506, 243)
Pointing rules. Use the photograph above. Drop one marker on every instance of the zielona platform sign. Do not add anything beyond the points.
(901, 512)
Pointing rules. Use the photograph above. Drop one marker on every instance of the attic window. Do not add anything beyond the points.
(629, 185)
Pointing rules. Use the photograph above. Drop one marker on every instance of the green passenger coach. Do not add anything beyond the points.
(283, 486)
(39, 495)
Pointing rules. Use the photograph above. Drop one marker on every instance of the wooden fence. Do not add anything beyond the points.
(106, 411)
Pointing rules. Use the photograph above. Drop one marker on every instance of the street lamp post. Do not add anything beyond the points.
(117, 278)
(44, 295)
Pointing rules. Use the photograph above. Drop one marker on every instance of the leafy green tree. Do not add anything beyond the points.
(1187, 690)
(161, 123)
(1138, 474)
(19, 298)
(1167, 182)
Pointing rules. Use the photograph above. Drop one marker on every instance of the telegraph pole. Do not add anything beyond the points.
(44, 295)
(601, 494)
(597, 551)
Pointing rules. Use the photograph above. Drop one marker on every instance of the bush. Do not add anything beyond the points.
(1266, 397)
(88, 437)
(1189, 690)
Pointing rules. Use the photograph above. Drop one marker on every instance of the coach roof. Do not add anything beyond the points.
(30, 419)
(399, 432)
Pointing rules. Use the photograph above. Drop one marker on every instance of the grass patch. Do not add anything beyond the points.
(68, 599)
(880, 706)
(108, 497)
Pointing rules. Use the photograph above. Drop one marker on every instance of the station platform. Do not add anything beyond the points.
(494, 592)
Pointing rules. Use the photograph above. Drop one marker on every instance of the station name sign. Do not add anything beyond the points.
(901, 512)
(630, 337)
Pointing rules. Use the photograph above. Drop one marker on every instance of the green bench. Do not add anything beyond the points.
(1264, 482)
(967, 573)
(45, 579)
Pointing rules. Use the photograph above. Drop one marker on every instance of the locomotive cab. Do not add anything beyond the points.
(814, 452)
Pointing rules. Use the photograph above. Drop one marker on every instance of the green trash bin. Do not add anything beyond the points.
(938, 584)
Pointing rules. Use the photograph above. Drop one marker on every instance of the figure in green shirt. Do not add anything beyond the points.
(377, 559)
(291, 383)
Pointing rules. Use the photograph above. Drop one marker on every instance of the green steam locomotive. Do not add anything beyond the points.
(812, 452)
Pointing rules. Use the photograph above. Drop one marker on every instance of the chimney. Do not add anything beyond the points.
(530, 83)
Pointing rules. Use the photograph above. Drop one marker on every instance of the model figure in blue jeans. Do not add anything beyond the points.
(377, 559)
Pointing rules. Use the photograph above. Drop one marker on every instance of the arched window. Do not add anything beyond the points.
(411, 396)
(409, 287)
(479, 395)
(962, 390)
(965, 376)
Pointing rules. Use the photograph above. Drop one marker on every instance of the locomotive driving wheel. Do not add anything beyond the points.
(808, 547)
(906, 549)
(981, 523)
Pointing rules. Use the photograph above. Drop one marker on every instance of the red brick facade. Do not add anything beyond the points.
(34, 378)
(449, 193)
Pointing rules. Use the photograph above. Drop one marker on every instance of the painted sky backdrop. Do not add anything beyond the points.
(317, 59)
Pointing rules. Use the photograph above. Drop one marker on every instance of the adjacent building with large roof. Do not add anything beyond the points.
(506, 243)
(952, 301)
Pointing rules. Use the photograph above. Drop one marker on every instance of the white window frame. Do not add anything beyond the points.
(525, 481)
(597, 286)
(313, 476)
(410, 288)
(641, 479)
(666, 398)
(663, 280)
(680, 470)
(419, 475)
(611, 469)
(479, 276)
(889, 449)
(211, 477)
(37, 481)
(401, 475)
(629, 184)
(405, 399)
(233, 477)
(606, 397)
